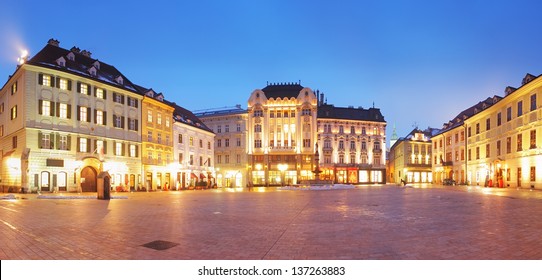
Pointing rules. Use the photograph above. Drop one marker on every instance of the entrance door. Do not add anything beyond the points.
(88, 179)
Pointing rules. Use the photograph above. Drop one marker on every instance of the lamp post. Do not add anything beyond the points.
(282, 168)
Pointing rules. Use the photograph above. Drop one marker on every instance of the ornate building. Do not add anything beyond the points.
(352, 144)
(410, 157)
(281, 134)
(229, 125)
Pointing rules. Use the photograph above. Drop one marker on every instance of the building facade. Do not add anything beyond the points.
(193, 150)
(352, 144)
(230, 127)
(410, 158)
(281, 134)
(60, 123)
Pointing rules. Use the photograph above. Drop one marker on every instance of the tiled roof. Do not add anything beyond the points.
(183, 115)
(327, 111)
(288, 90)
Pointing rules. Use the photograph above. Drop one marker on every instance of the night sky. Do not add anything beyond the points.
(420, 62)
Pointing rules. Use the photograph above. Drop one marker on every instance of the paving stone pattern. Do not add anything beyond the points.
(375, 222)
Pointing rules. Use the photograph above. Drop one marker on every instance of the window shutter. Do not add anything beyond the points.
(57, 140)
(96, 145)
(122, 99)
(123, 149)
(78, 113)
(89, 113)
(105, 118)
(137, 103)
(136, 125)
(58, 109)
(36, 180)
(122, 119)
(57, 82)
(78, 87)
(52, 112)
(89, 89)
(95, 91)
(40, 79)
(40, 136)
(69, 140)
(40, 106)
(88, 147)
(54, 180)
(69, 111)
(52, 81)
(136, 151)
(105, 94)
(51, 141)
(105, 147)
(69, 85)
(114, 96)
(78, 144)
(95, 116)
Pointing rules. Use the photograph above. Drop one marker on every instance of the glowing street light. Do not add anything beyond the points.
(24, 56)
(283, 168)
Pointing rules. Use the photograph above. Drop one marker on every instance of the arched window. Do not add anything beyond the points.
(44, 183)
(62, 179)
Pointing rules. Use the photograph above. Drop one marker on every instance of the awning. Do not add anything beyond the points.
(201, 176)
(192, 175)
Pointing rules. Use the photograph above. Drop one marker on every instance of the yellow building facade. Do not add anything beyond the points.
(410, 158)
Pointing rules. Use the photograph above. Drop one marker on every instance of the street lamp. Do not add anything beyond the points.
(283, 168)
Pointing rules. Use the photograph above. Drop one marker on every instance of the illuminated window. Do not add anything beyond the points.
(149, 136)
(100, 147)
(167, 122)
(149, 116)
(533, 174)
(83, 89)
(63, 111)
(100, 93)
(99, 117)
(14, 88)
(46, 108)
(118, 149)
(159, 118)
(508, 145)
(533, 139)
(63, 143)
(45, 141)
(83, 144)
(14, 112)
(63, 85)
(62, 179)
(133, 150)
(44, 183)
(83, 113)
(180, 138)
(191, 141)
(46, 81)
(519, 142)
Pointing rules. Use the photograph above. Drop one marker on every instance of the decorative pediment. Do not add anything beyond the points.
(119, 80)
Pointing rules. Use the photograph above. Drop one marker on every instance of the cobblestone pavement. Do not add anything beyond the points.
(369, 222)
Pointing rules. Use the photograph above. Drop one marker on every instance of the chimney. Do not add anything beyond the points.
(322, 98)
(53, 42)
(86, 53)
(75, 49)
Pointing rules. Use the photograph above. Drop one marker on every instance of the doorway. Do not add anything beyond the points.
(88, 179)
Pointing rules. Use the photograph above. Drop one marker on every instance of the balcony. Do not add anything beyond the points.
(281, 149)
(419, 165)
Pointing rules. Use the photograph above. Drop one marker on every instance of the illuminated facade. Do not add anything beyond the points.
(410, 158)
(64, 118)
(352, 144)
(502, 136)
(281, 134)
(229, 125)
(193, 150)
(156, 141)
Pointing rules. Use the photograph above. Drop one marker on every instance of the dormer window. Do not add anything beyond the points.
(71, 56)
(150, 93)
(96, 64)
(92, 71)
(61, 62)
(119, 80)
(160, 97)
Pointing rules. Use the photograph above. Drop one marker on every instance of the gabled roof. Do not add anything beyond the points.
(183, 115)
(287, 90)
(328, 111)
(80, 65)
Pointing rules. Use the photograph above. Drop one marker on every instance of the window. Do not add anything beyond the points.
(520, 108)
(83, 88)
(477, 152)
(180, 139)
(63, 110)
(1, 130)
(352, 130)
(132, 102)
(44, 183)
(341, 144)
(181, 158)
(469, 131)
(352, 145)
(46, 141)
(219, 129)
(363, 131)
(100, 93)
(508, 114)
(159, 119)
(118, 98)
(100, 147)
(99, 117)
(377, 146)
(191, 160)
(2, 108)
(533, 102)
(498, 147)
(14, 88)
(118, 121)
(341, 129)
(191, 141)
(487, 150)
(133, 150)
(167, 122)
(167, 139)
(306, 143)
(149, 155)
(219, 143)
(462, 154)
(149, 116)
(83, 145)
(226, 159)
(46, 80)
(499, 119)
(46, 108)
(456, 138)
(14, 112)
(533, 139)
(258, 128)
(118, 149)
(149, 136)
(364, 145)
(469, 156)
(477, 128)
(83, 114)
(238, 127)
(488, 123)
(227, 142)
(327, 144)
(462, 136)
(201, 143)
(159, 138)
(238, 142)
(132, 124)
(306, 112)
(63, 143)
(258, 113)
(208, 145)
(508, 145)
(63, 85)
(341, 159)
(227, 128)
(257, 143)
(519, 142)
(533, 174)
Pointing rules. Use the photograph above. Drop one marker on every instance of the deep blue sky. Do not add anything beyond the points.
(419, 61)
